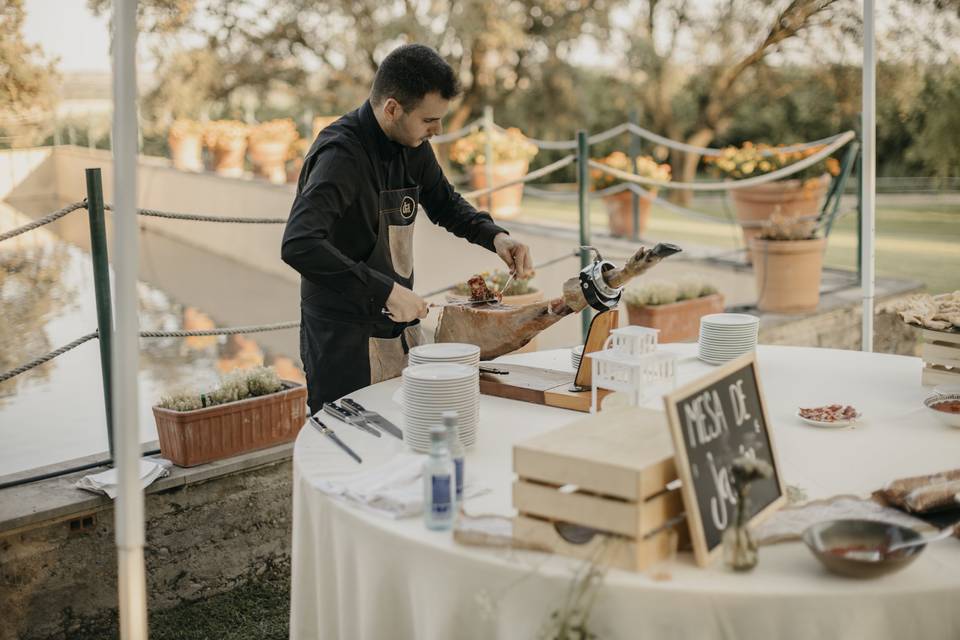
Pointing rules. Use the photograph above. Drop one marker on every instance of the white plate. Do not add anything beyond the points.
(830, 425)
(445, 350)
(438, 372)
(727, 319)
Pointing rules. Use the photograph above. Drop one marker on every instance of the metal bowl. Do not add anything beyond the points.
(828, 539)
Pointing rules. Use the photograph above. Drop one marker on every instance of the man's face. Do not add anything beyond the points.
(412, 128)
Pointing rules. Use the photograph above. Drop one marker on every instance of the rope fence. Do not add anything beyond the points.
(53, 217)
(533, 175)
(728, 185)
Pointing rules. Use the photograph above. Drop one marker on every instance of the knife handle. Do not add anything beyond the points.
(352, 405)
(345, 416)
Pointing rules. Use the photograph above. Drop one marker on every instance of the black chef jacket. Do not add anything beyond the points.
(333, 225)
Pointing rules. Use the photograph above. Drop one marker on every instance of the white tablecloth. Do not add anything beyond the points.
(358, 576)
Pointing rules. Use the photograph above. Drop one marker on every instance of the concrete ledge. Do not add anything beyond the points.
(57, 499)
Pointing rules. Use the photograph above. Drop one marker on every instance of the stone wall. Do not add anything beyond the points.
(58, 579)
(840, 328)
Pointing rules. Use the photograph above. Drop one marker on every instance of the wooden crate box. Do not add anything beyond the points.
(610, 473)
(941, 357)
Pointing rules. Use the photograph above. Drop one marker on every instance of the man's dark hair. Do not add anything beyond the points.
(409, 73)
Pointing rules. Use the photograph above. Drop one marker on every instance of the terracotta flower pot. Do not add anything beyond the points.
(620, 213)
(513, 301)
(506, 202)
(228, 156)
(754, 205)
(186, 152)
(189, 438)
(679, 321)
(788, 274)
(270, 160)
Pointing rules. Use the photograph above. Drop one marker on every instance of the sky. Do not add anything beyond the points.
(67, 29)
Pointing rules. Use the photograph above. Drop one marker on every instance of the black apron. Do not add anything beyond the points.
(341, 355)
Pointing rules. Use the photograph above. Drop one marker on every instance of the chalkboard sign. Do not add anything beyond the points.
(714, 420)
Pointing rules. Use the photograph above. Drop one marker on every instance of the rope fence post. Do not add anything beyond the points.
(101, 286)
(488, 127)
(634, 154)
(583, 196)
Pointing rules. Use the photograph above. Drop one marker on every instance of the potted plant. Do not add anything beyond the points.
(251, 409)
(620, 205)
(185, 139)
(520, 292)
(673, 308)
(787, 263)
(512, 153)
(800, 195)
(227, 140)
(270, 146)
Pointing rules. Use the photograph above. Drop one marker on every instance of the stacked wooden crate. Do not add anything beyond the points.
(940, 351)
(605, 481)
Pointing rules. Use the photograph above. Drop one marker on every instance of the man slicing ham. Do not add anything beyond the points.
(350, 231)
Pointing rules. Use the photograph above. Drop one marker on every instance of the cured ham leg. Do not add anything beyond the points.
(498, 329)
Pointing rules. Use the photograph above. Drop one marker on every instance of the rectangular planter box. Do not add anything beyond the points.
(678, 321)
(189, 438)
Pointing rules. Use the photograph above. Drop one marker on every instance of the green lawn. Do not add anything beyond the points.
(920, 242)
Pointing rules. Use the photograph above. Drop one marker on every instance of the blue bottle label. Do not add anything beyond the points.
(440, 495)
(458, 463)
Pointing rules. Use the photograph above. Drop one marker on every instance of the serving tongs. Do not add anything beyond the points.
(497, 297)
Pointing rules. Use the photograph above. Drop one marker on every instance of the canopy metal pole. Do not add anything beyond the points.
(126, 353)
(868, 169)
(583, 201)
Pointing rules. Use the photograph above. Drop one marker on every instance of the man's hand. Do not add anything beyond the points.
(515, 255)
(404, 305)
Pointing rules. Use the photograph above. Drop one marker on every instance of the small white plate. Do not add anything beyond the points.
(837, 424)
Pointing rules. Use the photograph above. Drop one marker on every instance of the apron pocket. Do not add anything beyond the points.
(401, 248)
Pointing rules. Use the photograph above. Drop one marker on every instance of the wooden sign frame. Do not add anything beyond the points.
(704, 555)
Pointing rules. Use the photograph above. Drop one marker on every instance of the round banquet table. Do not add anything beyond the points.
(359, 575)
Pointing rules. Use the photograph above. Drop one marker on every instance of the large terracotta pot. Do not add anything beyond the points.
(513, 301)
(506, 201)
(269, 159)
(755, 205)
(788, 274)
(679, 321)
(186, 152)
(620, 212)
(228, 156)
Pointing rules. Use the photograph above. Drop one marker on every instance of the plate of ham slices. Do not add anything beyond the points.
(830, 416)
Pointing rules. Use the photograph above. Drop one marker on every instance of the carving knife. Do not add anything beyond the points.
(327, 431)
(372, 417)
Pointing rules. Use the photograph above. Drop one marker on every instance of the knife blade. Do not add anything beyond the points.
(345, 416)
(327, 431)
(372, 417)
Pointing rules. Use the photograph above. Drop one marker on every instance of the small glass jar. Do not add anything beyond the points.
(739, 547)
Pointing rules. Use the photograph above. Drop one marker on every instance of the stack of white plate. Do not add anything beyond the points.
(575, 355)
(444, 352)
(431, 389)
(725, 336)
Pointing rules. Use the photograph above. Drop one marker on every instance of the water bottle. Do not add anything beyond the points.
(456, 450)
(439, 497)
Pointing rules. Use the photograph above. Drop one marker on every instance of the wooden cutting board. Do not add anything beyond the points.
(539, 386)
(548, 386)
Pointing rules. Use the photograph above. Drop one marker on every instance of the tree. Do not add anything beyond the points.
(730, 43)
(27, 80)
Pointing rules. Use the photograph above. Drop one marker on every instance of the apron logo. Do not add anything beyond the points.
(407, 207)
